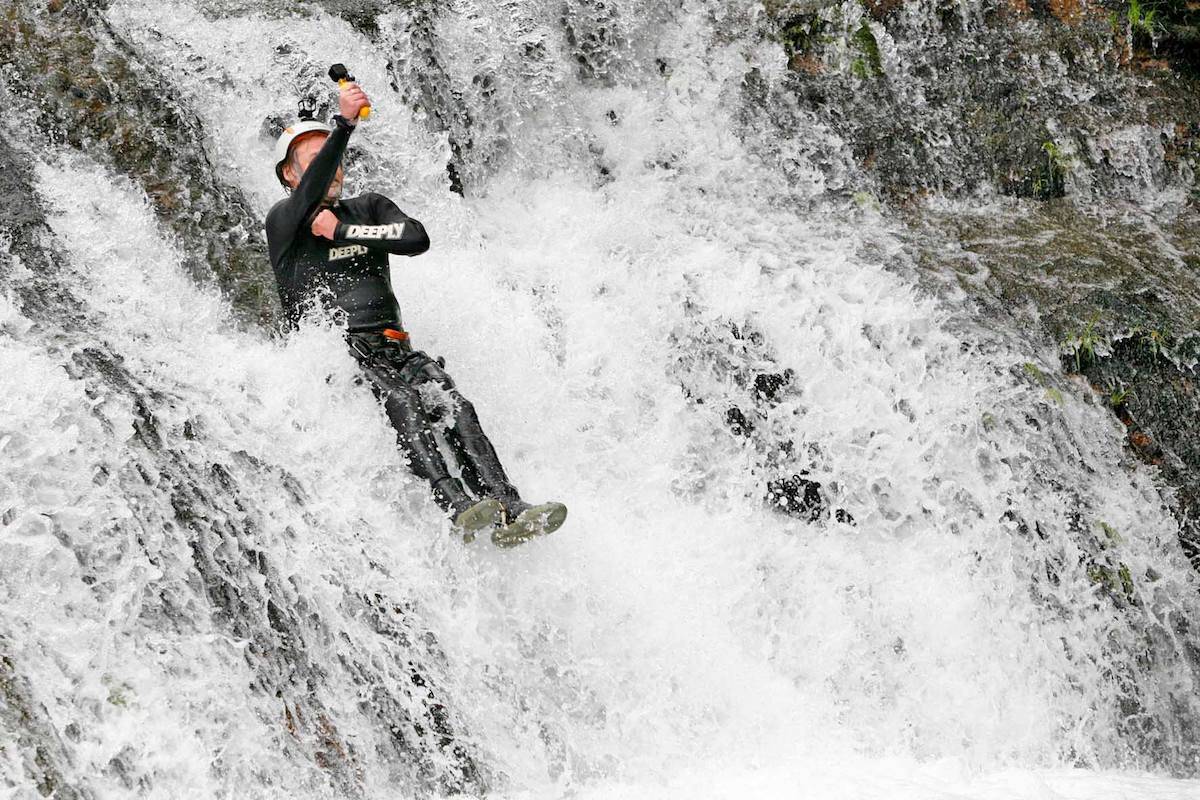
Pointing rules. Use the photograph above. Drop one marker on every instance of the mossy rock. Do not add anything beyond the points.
(95, 95)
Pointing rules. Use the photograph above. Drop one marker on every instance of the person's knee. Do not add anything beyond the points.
(402, 401)
(432, 371)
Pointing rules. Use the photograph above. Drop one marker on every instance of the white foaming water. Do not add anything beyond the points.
(676, 638)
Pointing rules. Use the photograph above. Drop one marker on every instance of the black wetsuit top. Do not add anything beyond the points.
(349, 273)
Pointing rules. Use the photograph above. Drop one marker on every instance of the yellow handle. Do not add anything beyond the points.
(364, 112)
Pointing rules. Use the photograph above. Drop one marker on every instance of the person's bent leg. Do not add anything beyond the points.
(481, 467)
(410, 419)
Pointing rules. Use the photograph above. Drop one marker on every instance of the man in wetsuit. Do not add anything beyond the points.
(333, 251)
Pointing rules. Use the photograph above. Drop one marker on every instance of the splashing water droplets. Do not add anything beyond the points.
(820, 540)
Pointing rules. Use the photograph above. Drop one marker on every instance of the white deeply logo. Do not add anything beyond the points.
(391, 231)
(349, 250)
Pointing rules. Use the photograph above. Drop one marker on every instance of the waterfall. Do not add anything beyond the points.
(835, 530)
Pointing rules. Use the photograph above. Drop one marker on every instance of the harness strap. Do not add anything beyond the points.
(371, 344)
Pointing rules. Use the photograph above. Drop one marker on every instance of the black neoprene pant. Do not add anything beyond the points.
(397, 373)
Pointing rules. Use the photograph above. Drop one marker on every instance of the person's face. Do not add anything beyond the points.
(303, 151)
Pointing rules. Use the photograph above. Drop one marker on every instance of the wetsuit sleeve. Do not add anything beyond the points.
(394, 231)
(285, 219)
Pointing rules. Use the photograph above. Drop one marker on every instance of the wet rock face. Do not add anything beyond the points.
(362, 14)
(25, 724)
(729, 372)
(1030, 99)
(87, 89)
(1116, 292)
(1178, 33)
(27, 729)
(1086, 115)
(1155, 391)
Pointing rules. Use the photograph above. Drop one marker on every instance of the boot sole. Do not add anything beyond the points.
(533, 522)
(483, 514)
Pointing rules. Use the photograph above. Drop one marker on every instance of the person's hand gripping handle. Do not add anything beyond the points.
(352, 96)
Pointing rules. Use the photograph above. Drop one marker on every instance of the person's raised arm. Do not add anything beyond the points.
(287, 217)
(321, 171)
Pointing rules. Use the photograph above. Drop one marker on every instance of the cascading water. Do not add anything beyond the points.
(830, 536)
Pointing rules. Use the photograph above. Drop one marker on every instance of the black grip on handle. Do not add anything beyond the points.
(338, 72)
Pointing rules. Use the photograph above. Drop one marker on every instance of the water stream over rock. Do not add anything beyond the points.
(858, 337)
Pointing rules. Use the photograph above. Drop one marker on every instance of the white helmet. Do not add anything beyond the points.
(289, 135)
